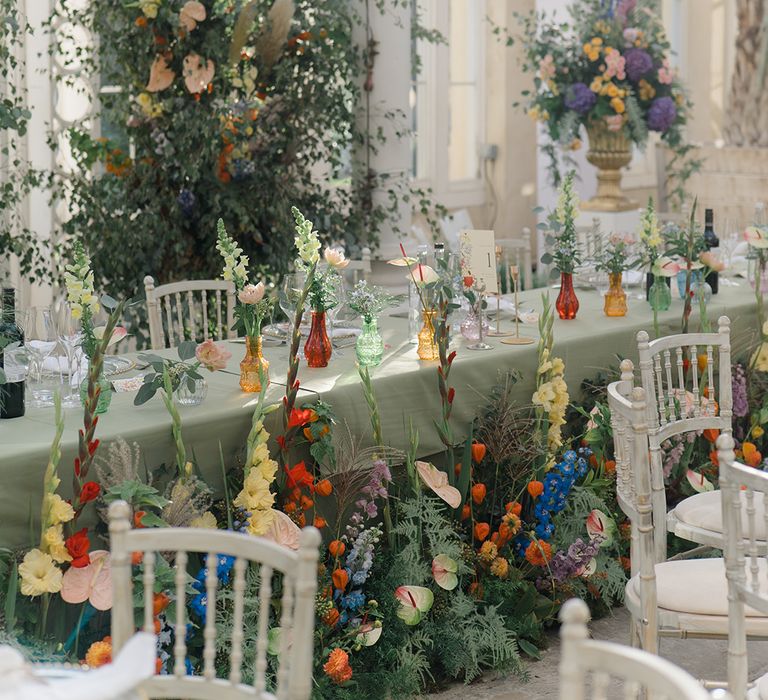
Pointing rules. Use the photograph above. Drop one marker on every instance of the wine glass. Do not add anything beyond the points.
(41, 340)
(288, 296)
(69, 331)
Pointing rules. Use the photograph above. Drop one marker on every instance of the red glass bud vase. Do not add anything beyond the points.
(318, 347)
(567, 304)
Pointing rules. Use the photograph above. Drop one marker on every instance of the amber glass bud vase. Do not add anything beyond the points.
(567, 304)
(318, 347)
(427, 349)
(615, 298)
(250, 380)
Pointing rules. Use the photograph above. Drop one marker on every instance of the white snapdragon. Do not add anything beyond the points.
(78, 280)
(306, 240)
(235, 263)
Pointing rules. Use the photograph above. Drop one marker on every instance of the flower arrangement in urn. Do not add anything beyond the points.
(562, 247)
(607, 70)
(252, 308)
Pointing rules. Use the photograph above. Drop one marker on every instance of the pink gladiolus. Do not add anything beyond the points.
(212, 356)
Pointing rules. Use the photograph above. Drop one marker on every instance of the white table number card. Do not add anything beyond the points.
(477, 253)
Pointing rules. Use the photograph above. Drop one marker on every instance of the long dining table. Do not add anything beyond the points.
(406, 390)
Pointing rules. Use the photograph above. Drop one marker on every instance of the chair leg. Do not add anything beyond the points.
(634, 638)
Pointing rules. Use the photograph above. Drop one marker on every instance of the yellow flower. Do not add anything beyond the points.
(760, 358)
(597, 41)
(260, 521)
(149, 8)
(53, 544)
(758, 432)
(500, 567)
(613, 91)
(488, 552)
(544, 396)
(59, 511)
(618, 105)
(647, 91)
(558, 366)
(39, 574)
(255, 494)
(207, 520)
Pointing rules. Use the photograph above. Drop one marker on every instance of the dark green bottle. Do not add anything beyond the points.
(11, 392)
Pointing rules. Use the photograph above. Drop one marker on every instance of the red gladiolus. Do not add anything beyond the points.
(77, 466)
(298, 476)
(281, 441)
(451, 357)
(300, 416)
(451, 394)
(89, 492)
(93, 446)
(78, 546)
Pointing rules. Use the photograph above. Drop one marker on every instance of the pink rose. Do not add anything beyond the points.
(666, 74)
(251, 293)
(614, 63)
(547, 68)
(335, 258)
(212, 356)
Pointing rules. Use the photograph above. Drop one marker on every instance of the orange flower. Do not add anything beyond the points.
(457, 469)
(701, 361)
(331, 617)
(478, 452)
(306, 503)
(159, 603)
(625, 563)
(157, 626)
(610, 466)
(466, 511)
(137, 558)
(137, 516)
(324, 487)
(340, 578)
(593, 461)
(337, 667)
(751, 455)
(514, 507)
(713, 458)
(535, 488)
(337, 548)
(319, 522)
(711, 434)
(141, 21)
(478, 493)
(301, 521)
(289, 507)
(538, 553)
(476, 590)
(99, 653)
(482, 530)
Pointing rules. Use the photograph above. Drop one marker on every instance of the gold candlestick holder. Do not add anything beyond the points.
(497, 332)
(514, 273)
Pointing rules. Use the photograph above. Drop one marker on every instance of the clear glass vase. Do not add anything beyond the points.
(615, 303)
(470, 326)
(250, 376)
(105, 392)
(659, 294)
(369, 347)
(191, 392)
(754, 263)
(696, 276)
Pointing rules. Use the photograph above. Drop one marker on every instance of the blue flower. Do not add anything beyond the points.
(570, 456)
(224, 567)
(199, 604)
(353, 600)
(189, 668)
(567, 468)
(544, 531)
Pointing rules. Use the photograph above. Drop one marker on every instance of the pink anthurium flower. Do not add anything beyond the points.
(588, 569)
(699, 483)
(756, 236)
(438, 481)
(665, 267)
(92, 583)
(191, 13)
(283, 530)
(415, 601)
(117, 334)
(444, 570)
(160, 75)
(601, 527)
(197, 72)
(369, 634)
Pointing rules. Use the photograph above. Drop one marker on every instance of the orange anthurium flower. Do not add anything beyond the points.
(478, 452)
(751, 454)
(478, 493)
(340, 579)
(482, 530)
(711, 434)
(535, 488)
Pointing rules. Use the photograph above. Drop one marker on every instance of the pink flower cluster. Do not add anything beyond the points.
(614, 65)
(212, 356)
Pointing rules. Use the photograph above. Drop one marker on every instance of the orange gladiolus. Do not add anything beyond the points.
(478, 493)
(711, 434)
(535, 488)
(337, 548)
(340, 579)
(466, 511)
(320, 522)
(751, 454)
(324, 487)
(478, 452)
(482, 530)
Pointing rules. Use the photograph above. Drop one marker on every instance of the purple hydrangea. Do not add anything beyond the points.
(580, 98)
(662, 114)
(637, 62)
(739, 391)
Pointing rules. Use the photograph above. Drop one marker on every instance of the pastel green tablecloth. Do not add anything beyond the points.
(405, 388)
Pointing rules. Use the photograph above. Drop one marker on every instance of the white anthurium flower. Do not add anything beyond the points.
(756, 236)
(117, 334)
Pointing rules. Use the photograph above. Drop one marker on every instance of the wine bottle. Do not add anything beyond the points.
(12, 390)
(713, 245)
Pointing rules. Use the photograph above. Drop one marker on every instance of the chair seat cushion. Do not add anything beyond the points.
(760, 689)
(704, 510)
(696, 587)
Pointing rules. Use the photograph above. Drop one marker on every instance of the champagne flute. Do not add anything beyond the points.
(41, 341)
(70, 334)
(288, 296)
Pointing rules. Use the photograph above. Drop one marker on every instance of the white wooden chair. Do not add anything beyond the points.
(677, 404)
(299, 584)
(743, 489)
(641, 672)
(682, 598)
(359, 268)
(517, 251)
(176, 315)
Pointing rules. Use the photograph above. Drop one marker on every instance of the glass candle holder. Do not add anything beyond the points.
(191, 392)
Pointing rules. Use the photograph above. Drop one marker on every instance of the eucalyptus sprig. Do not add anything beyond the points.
(177, 371)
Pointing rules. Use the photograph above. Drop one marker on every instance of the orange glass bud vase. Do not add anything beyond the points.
(318, 347)
(427, 349)
(615, 297)
(567, 304)
(250, 379)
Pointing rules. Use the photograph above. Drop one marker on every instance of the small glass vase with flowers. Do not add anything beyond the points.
(615, 258)
(369, 301)
(253, 306)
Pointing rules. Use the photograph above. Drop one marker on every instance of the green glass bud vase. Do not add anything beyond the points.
(660, 295)
(105, 395)
(369, 347)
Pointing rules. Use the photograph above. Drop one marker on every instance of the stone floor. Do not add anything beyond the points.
(702, 658)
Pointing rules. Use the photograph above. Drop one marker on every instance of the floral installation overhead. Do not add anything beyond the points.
(609, 64)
